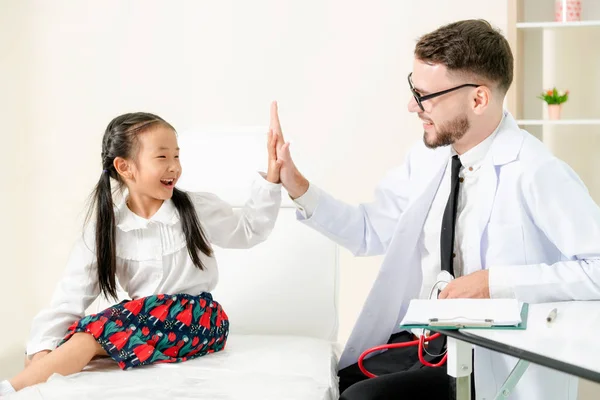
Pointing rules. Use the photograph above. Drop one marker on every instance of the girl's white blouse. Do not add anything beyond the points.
(152, 256)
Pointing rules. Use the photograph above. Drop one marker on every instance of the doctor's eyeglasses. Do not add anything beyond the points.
(420, 99)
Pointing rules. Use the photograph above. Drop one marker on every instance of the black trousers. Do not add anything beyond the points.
(400, 375)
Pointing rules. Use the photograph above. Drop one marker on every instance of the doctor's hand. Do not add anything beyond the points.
(472, 286)
(292, 180)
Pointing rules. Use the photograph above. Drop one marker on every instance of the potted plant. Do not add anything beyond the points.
(555, 99)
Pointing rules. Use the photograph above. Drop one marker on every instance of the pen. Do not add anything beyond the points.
(552, 316)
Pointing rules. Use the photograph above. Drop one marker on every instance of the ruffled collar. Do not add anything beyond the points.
(128, 220)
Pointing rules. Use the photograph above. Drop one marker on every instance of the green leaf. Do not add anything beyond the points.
(187, 347)
(157, 355)
(163, 342)
(135, 340)
(150, 303)
(175, 309)
(554, 97)
(197, 311)
(110, 328)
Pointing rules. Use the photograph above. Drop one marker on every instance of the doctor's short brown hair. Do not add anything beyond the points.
(472, 47)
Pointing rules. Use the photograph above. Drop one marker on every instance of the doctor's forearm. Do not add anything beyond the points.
(297, 186)
(349, 226)
(565, 280)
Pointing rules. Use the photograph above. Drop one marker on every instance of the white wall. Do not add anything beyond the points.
(338, 69)
(14, 243)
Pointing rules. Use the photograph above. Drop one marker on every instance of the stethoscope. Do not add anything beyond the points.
(442, 281)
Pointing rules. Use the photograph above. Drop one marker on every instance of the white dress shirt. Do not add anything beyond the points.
(152, 256)
(465, 220)
(429, 241)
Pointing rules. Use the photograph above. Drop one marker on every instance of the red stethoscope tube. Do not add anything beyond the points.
(420, 343)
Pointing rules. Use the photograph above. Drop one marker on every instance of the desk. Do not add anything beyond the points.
(560, 345)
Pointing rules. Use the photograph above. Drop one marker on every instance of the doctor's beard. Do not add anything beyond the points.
(448, 132)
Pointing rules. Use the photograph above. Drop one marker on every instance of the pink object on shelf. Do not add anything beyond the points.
(573, 10)
(554, 111)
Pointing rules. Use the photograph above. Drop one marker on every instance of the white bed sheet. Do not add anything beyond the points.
(251, 367)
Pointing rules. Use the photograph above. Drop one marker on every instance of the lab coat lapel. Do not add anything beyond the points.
(400, 276)
(427, 184)
(411, 224)
(504, 149)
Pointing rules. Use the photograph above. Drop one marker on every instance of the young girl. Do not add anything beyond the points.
(157, 243)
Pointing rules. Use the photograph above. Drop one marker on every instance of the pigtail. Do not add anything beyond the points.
(194, 235)
(102, 202)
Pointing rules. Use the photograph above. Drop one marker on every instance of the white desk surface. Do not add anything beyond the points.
(573, 338)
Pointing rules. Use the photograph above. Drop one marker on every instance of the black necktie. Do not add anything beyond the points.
(449, 220)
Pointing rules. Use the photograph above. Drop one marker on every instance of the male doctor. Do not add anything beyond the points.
(479, 198)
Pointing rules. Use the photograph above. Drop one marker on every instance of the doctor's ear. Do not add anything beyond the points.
(481, 98)
(123, 167)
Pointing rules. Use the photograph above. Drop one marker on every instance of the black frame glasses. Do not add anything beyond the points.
(420, 99)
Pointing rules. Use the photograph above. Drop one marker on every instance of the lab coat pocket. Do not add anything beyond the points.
(505, 244)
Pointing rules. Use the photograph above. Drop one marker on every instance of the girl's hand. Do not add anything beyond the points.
(274, 165)
(291, 179)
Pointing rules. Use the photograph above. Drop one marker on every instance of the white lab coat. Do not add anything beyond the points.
(538, 233)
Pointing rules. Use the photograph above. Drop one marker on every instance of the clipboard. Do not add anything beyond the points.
(475, 324)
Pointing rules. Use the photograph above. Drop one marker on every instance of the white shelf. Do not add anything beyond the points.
(546, 25)
(558, 122)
